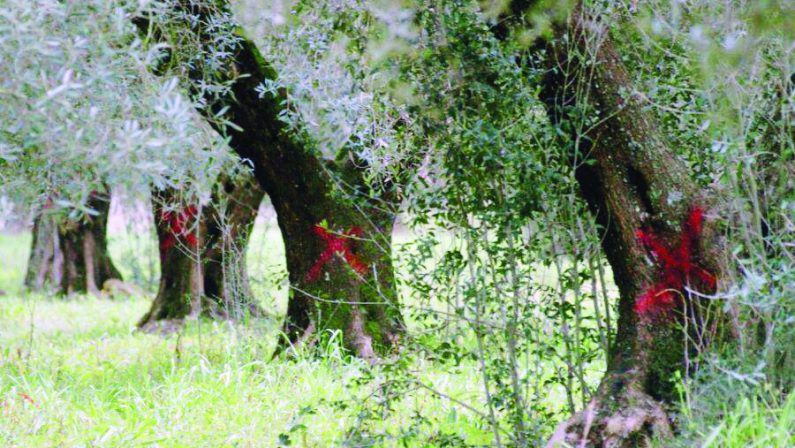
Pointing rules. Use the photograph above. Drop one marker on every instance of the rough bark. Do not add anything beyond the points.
(202, 256)
(303, 191)
(45, 264)
(361, 304)
(71, 255)
(180, 233)
(631, 180)
(230, 222)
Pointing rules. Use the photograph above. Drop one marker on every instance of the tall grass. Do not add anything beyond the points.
(74, 373)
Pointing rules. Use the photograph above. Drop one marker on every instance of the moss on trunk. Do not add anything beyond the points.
(631, 180)
(352, 291)
(202, 256)
(180, 233)
(303, 190)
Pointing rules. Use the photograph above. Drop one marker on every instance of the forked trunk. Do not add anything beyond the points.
(71, 256)
(651, 211)
(230, 223)
(202, 256)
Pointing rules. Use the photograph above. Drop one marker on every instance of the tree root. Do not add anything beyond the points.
(233, 313)
(621, 415)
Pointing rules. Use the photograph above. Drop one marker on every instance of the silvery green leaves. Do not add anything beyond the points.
(80, 110)
(326, 65)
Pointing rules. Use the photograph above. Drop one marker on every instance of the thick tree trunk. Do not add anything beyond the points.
(341, 275)
(180, 233)
(72, 255)
(632, 182)
(229, 227)
(304, 194)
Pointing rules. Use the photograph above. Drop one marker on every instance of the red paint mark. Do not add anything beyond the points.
(336, 244)
(675, 264)
(178, 224)
(27, 398)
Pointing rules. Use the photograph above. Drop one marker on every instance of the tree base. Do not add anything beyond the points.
(238, 312)
(162, 327)
(157, 321)
(621, 415)
(114, 288)
(355, 338)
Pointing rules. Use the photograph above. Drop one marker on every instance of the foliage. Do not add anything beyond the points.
(489, 174)
(720, 77)
(80, 110)
(509, 299)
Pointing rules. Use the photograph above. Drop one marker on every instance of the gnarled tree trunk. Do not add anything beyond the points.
(341, 273)
(303, 191)
(230, 223)
(202, 256)
(45, 264)
(642, 196)
(180, 232)
(72, 255)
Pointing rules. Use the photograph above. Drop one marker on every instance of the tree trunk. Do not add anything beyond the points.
(303, 191)
(72, 255)
(341, 274)
(203, 256)
(231, 220)
(641, 195)
(180, 233)
(45, 264)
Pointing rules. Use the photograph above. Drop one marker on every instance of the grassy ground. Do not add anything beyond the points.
(74, 373)
(73, 378)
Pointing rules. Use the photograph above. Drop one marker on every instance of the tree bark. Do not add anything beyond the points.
(45, 264)
(231, 221)
(180, 233)
(71, 256)
(353, 291)
(202, 256)
(303, 191)
(631, 181)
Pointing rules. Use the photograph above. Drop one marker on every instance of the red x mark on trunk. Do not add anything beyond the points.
(676, 266)
(336, 244)
(178, 224)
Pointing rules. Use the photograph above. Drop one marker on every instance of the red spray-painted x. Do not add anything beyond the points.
(178, 224)
(676, 266)
(336, 244)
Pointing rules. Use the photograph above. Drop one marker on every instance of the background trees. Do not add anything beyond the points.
(202, 254)
(71, 255)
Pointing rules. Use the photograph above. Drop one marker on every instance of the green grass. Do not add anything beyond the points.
(754, 422)
(94, 382)
(14, 249)
(757, 417)
(73, 372)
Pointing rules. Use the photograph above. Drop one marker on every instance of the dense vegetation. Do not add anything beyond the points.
(516, 223)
